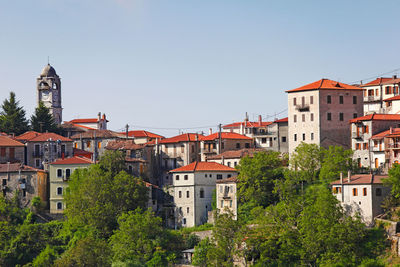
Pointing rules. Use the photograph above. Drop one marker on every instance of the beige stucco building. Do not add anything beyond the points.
(59, 173)
(319, 113)
(192, 190)
(362, 194)
(11, 150)
(226, 196)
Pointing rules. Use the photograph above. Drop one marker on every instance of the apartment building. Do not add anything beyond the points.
(193, 186)
(217, 143)
(142, 137)
(44, 148)
(175, 152)
(319, 113)
(379, 90)
(392, 147)
(226, 195)
(11, 150)
(60, 172)
(361, 194)
(367, 150)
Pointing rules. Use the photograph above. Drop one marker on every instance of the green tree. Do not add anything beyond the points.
(113, 162)
(335, 160)
(393, 180)
(201, 251)
(12, 117)
(88, 251)
(257, 177)
(307, 160)
(138, 237)
(42, 120)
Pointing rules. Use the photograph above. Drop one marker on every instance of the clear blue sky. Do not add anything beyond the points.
(178, 64)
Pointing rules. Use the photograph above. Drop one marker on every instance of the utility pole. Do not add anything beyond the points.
(220, 139)
(127, 130)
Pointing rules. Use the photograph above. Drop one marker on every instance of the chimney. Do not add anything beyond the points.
(241, 129)
(259, 119)
(223, 160)
(349, 176)
(395, 76)
(62, 155)
(210, 131)
(391, 130)
(341, 177)
(99, 116)
(104, 116)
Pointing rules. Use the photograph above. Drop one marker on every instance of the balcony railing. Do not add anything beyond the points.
(393, 146)
(208, 150)
(377, 148)
(356, 135)
(371, 98)
(305, 107)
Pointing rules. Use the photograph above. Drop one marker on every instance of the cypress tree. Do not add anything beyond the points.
(12, 117)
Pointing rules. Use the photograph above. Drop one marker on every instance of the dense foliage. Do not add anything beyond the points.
(42, 121)
(12, 117)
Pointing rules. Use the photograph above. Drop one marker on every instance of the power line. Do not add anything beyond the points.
(377, 76)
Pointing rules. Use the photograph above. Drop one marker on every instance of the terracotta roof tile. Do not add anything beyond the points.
(225, 135)
(325, 84)
(204, 166)
(397, 97)
(377, 81)
(142, 133)
(228, 180)
(124, 145)
(14, 167)
(7, 141)
(98, 133)
(362, 179)
(236, 154)
(282, 120)
(377, 117)
(43, 137)
(82, 153)
(72, 160)
(249, 124)
(27, 136)
(182, 138)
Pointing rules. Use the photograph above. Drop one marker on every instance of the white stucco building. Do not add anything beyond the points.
(192, 190)
(226, 195)
(362, 194)
(319, 113)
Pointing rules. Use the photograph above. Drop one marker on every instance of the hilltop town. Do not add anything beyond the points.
(339, 144)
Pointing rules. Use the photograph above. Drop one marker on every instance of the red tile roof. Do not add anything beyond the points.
(362, 179)
(27, 136)
(73, 160)
(236, 154)
(325, 84)
(43, 137)
(397, 97)
(392, 81)
(225, 135)
(90, 120)
(228, 180)
(82, 153)
(282, 120)
(7, 141)
(377, 117)
(142, 133)
(98, 133)
(14, 167)
(249, 124)
(182, 138)
(377, 81)
(124, 145)
(204, 166)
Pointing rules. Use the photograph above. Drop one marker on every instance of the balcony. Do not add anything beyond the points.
(377, 148)
(303, 107)
(371, 98)
(208, 150)
(37, 154)
(226, 196)
(356, 135)
(393, 146)
(266, 133)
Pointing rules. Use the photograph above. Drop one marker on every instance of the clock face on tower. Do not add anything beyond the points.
(54, 86)
(45, 95)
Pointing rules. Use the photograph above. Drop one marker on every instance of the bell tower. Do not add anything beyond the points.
(48, 86)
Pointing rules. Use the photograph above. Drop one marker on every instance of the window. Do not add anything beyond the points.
(234, 164)
(37, 163)
(180, 194)
(295, 137)
(304, 136)
(88, 144)
(202, 192)
(182, 148)
(184, 220)
(294, 118)
(99, 145)
(283, 139)
(312, 136)
(210, 176)
(237, 145)
(247, 145)
(354, 115)
(378, 192)
(222, 203)
(185, 177)
(59, 173)
(67, 173)
(294, 102)
(187, 194)
(205, 175)
(59, 205)
(341, 99)
(364, 191)
(230, 203)
(4, 182)
(303, 117)
(229, 175)
(354, 191)
(177, 177)
(341, 116)
(219, 176)
(328, 99)
(303, 101)
(311, 100)
(229, 164)
(59, 190)
(221, 188)
(3, 152)
(263, 140)
(187, 210)
(329, 116)
(312, 117)
(376, 92)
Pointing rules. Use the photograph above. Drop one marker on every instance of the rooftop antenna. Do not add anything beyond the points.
(48, 60)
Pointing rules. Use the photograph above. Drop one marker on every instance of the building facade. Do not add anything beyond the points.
(226, 195)
(192, 190)
(319, 113)
(48, 86)
(232, 158)
(11, 150)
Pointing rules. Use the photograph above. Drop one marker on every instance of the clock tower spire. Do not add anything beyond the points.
(48, 86)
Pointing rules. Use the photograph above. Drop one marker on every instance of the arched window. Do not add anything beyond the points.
(59, 205)
(59, 190)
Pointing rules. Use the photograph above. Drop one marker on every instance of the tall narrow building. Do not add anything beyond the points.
(48, 86)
